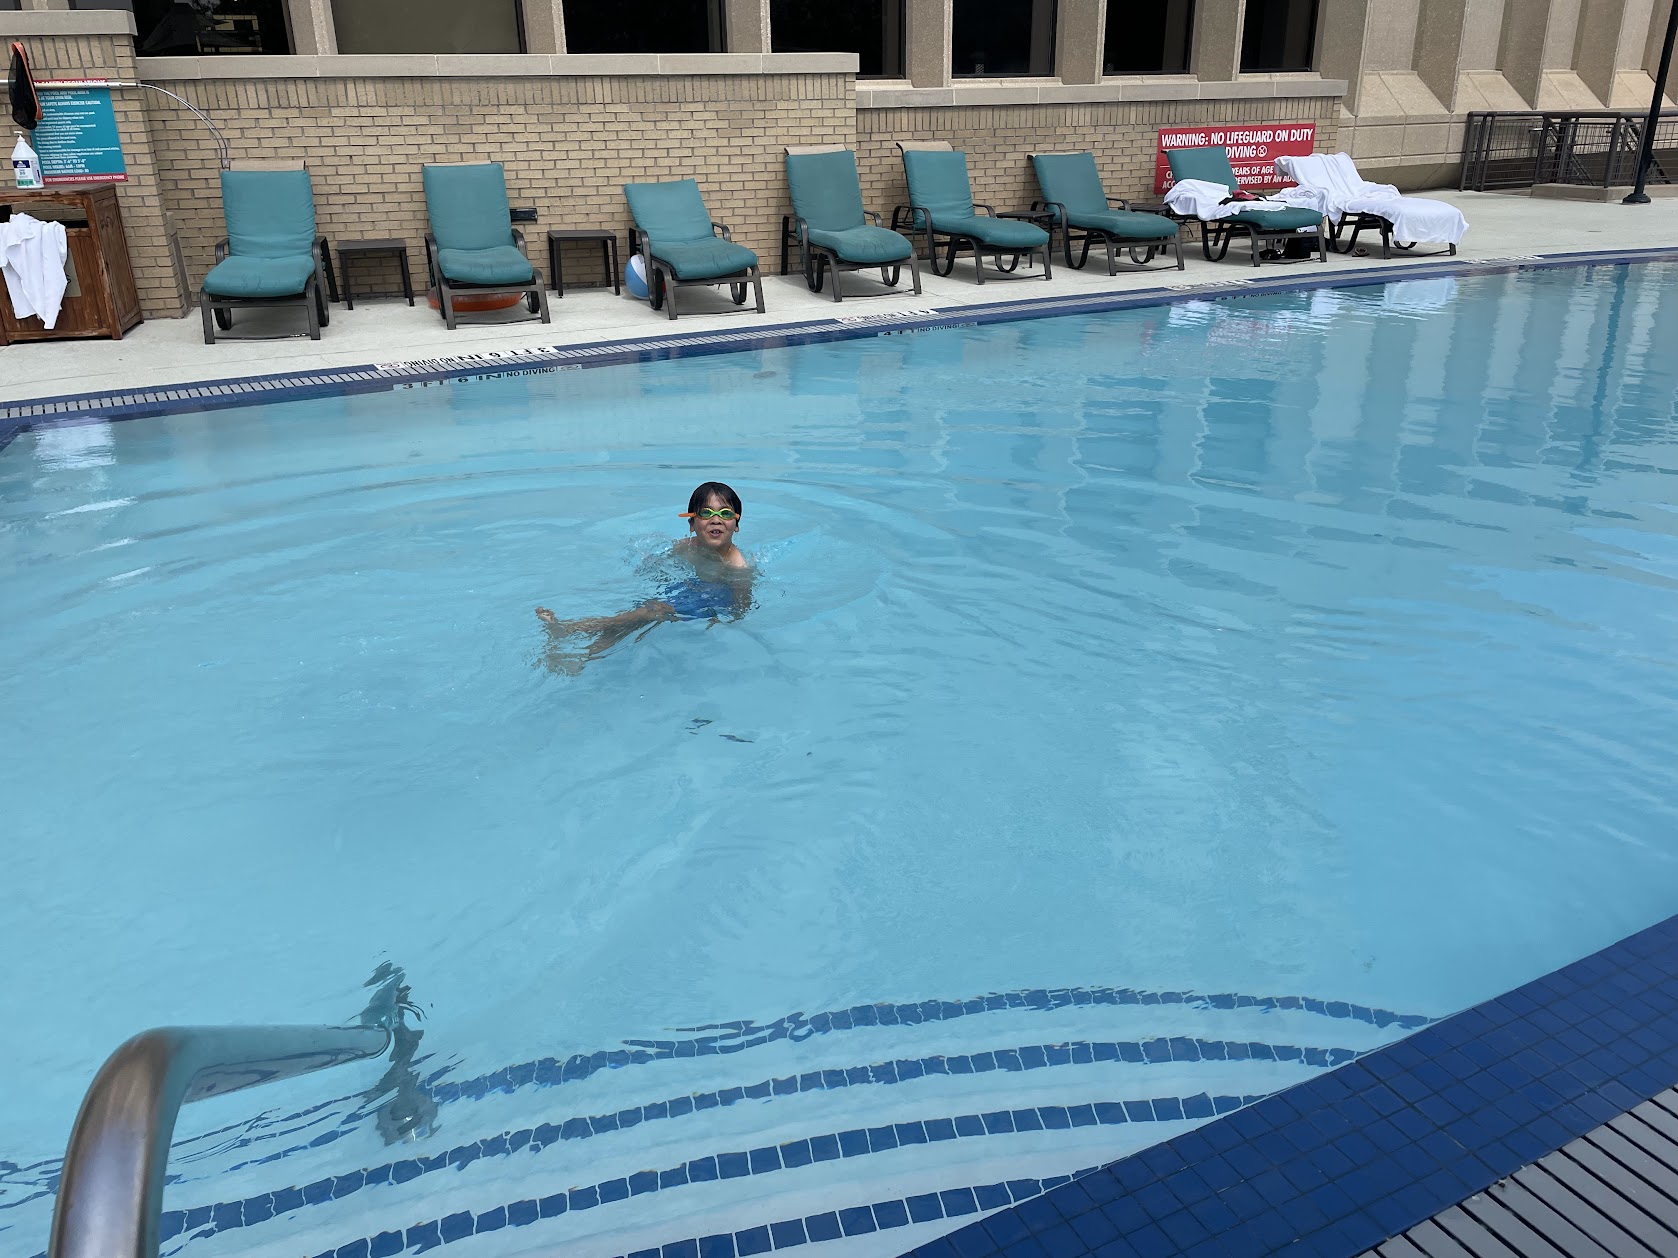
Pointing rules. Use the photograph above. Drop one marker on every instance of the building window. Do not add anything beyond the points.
(873, 29)
(644, 26)
(1148, 37)
(1279, 35)
(1003, 39)
(392, 27)
(202, 28)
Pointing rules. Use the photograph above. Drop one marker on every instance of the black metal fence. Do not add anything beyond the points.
(1591, 148)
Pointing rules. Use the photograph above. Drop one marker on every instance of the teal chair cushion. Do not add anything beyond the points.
(1001, 233)
(503, 264)
(671, 213)
(468, 207)
(826, 192)
(1276, 220)
(938, 182)
(1072, 180)
(270, 213)
(1210, 163)
(1127, 224)
(704, 259)
(870, 246)
(237, 276)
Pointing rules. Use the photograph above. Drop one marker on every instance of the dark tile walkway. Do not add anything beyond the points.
(1343, 1163)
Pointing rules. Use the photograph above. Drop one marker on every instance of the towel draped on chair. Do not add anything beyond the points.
(1335, 177)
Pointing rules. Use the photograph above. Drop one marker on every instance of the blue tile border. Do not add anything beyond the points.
(739, 1036)
(1335, 1165)
(203, 1221)
(75, 409)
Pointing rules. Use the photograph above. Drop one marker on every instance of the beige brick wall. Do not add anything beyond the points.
(112, 56)
(999, 141)
(568, 143)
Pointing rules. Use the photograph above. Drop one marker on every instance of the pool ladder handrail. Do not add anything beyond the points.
(110, 1192)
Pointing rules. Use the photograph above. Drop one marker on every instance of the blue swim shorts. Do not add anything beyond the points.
(695, 599)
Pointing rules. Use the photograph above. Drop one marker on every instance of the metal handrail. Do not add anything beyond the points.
(110, 1192)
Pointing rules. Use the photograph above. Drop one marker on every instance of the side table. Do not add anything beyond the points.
(348, 249)
(608, 255)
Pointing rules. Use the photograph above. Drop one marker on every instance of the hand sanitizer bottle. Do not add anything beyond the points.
(26, 167)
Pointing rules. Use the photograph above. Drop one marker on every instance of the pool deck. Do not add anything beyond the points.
(161, 352)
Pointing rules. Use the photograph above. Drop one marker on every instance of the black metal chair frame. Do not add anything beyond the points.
(1221, 231)
(907, 218)
(1088, 235)
(533, 291)
(217, 309)
(817, 260)
(1363, 220)
(662, 280)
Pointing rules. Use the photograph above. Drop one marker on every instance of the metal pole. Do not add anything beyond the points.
(1646, 155)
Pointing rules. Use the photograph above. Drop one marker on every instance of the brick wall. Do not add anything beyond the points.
(568, 144)
(999, 141)
(143, 218)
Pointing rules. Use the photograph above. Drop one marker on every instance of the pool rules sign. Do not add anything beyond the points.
(77, 139)
(1253, 149)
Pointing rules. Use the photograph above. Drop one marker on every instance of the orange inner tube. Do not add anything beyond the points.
(466, 303)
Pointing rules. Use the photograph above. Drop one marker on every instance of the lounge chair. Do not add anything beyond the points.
(1262, 228)
(1353, 202)
(1072, 192)
(941, 205)
(832, 228)
(472, 247)
(681, 247)
(271, 255)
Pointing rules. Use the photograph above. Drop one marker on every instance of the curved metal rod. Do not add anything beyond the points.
(224, 151)
(110, 1191)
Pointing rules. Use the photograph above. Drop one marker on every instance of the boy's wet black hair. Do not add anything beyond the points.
(698, 497)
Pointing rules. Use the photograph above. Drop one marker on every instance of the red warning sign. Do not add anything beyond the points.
(1253, 149)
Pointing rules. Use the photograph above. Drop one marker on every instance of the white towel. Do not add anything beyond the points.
(32, 258)
(1208, 201)
(1335, 176)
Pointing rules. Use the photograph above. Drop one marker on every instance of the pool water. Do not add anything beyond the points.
(1140, 712)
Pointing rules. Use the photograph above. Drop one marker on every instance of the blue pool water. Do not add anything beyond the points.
(1140, 713)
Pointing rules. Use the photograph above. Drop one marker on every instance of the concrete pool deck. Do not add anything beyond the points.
(386, 330)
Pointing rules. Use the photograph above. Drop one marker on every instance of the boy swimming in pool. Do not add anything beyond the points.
(721, 584)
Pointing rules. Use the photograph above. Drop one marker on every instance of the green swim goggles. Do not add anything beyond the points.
(710, 513)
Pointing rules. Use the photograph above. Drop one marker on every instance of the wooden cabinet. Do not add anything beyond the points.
(108, 304)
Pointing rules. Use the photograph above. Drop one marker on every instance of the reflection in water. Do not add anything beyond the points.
(409, 1113)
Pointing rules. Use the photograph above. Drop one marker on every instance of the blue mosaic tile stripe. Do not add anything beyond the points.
(739, 1035)
(1335, 1165)
(139, 403)
(203, 1221)
(1030, 1057)
(951, 1203)
(550, 1072)
(797, 1027)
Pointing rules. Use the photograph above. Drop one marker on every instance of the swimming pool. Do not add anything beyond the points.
(1141, 712)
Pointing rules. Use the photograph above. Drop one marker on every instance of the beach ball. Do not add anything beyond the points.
(635, 277)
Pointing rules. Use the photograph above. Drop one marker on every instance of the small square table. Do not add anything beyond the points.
(608, 255)
(348, 249)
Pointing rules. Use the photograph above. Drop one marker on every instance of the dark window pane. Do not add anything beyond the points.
(873, 29)
(391, 27)
(173, 28)
(1279, 35)
(1003, 38)
(1148, 37)
(643, 26)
